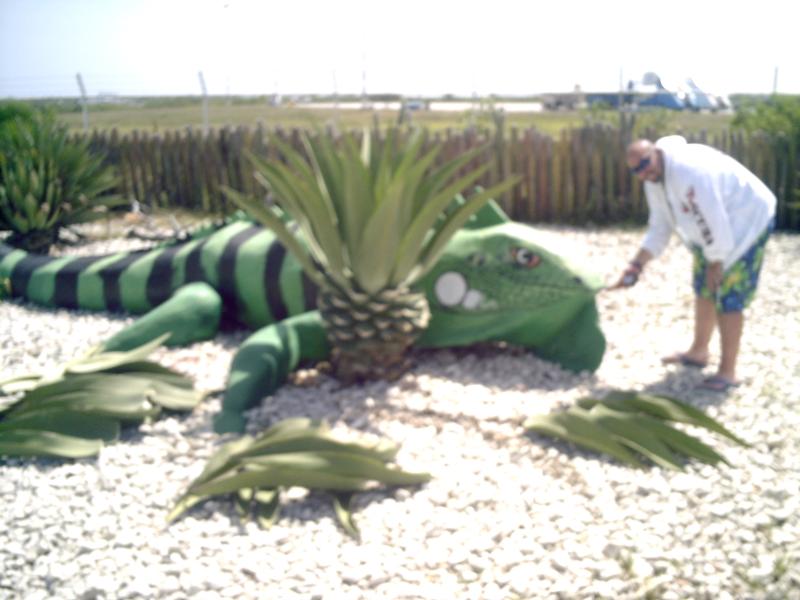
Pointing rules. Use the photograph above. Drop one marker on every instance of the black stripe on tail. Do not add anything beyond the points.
(23, 270)
(66, 283)
(110, 276)
(275, 257)
(159, 281)
(5, 250)
(194, 264)
(227, 268)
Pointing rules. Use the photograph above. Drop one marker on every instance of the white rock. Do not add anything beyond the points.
(505, 515)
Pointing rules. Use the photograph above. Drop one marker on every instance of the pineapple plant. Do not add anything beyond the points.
(372, 217)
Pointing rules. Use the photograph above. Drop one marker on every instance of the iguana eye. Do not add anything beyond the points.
(525, 258)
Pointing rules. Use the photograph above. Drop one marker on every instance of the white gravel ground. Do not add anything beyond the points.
(506, 515)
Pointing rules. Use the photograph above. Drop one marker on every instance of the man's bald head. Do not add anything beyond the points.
(645, 160)
(637, 150)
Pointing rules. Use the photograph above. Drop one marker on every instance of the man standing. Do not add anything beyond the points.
(723, 214)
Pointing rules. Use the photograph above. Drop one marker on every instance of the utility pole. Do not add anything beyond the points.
(335, 92)
(364, 99)
(205, 102)
(335, 99)
(775, 82)
(84, 103)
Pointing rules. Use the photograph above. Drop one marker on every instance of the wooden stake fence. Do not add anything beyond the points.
(579, 177)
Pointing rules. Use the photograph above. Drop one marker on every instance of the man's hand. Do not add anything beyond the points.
(629, 276)
(714, 276)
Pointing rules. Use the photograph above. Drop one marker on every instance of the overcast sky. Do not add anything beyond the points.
(413, 47)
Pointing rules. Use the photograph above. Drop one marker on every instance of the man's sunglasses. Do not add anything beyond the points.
(643, 164)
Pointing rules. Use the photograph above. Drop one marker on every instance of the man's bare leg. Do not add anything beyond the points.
(705, 319)
(730, 333)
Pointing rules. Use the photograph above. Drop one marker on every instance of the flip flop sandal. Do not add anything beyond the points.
(683, 359)
(717, 384)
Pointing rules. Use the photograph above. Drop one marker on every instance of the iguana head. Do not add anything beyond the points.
(498, 283)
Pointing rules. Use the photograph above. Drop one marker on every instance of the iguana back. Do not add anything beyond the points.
(258, 281)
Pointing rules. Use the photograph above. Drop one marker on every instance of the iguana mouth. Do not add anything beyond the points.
(453, 291)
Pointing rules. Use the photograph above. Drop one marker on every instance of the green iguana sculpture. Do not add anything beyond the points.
(493, 283)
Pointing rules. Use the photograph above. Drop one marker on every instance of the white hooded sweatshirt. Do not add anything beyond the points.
(709, 199)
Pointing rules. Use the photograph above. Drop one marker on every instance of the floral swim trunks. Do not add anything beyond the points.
(739, 280)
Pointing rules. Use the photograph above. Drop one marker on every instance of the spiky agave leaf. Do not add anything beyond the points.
(628, 425)
(73, 409)
(294, 453)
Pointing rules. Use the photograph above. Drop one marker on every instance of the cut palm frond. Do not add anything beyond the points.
(630, 426)
(71, 411)
(294, 453)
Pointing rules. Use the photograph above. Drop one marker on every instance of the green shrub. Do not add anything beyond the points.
(656, 122)
(48, 181)
(11, 110)
(779, 118)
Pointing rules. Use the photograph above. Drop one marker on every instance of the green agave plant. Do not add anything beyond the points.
(296, 452)
(628, 425)
(49, 181)
(72, 411)
(366, 219)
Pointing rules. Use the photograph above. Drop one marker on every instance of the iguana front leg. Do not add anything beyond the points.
(265, 360)
(192, 314)
(578, 346)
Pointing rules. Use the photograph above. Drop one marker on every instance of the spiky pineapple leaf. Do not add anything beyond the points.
(20, 383)
(35, 442)
(343, 464)
(575, 426)
(185, 503)
(626, 429)
(294, 453)
(268, 507)
(301, 473)
(98, 360)
(301, 441)
(66, 422)
(341, 508)
(372, 217)
(244, 501)
(629, 424)
(88, 399)
(666, 407)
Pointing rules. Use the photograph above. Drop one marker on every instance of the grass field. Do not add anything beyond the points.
(158, 117)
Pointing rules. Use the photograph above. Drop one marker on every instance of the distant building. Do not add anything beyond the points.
(649, 92)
